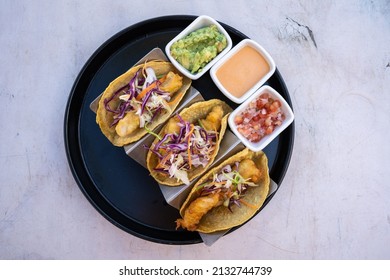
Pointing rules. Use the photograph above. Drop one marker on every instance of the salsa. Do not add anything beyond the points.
(198, 48)
(260, 118)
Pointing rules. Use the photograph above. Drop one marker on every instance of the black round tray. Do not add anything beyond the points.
(118, 187)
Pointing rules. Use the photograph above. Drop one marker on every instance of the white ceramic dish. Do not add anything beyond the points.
(259, 83)
(199, 22)
(286, 109)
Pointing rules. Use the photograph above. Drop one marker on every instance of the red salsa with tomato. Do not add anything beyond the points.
(260, 118)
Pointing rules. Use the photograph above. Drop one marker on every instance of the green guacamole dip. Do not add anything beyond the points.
(198, 48)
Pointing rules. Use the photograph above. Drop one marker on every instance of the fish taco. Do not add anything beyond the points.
(139, 100)
(228, 195)
(188, 144)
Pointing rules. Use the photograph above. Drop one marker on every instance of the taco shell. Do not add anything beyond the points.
(105, 118)
(221, 218)
(191, 114)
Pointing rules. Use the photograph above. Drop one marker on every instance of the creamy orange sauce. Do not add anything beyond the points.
(242, 71)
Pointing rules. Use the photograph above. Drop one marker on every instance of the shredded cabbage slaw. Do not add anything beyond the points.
(141, 95)
(230, 184)
(190, 148)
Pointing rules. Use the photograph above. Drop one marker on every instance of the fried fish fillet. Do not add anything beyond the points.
(213, 119)
(172, 126)
(128, 124)
(197, 209)
(172, 83)
(248, 170)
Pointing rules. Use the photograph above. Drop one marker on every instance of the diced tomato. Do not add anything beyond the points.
(256, 117)
(268, 121)
(278, 123)
(255, 137)
(260, 118)
(238, 119)
(269, 130)
(257, 127)
(274, 107)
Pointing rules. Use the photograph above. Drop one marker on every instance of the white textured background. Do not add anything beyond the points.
(334, 200)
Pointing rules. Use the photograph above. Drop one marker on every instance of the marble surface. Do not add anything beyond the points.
(334, 200)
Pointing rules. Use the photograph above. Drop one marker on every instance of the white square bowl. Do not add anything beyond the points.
(259, 83)
(286, 109)
(199, 22)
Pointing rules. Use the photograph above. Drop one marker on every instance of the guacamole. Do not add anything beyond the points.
(198, 48)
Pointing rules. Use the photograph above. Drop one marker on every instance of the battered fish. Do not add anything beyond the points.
(172, 126)
(248, 170)
(172, 83)
(197, 209)
(128, 124)
(213, 119)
